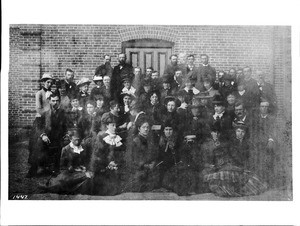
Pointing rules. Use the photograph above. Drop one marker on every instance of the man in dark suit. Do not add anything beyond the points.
(67, 88)
(205, 72)
(251, 89)
(191, 68)
(104, 69)
(120, 71)
(267, 91)
(171, 68)
(47, 140)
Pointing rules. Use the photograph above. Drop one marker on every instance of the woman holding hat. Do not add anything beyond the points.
(43, 95)
(107, 162)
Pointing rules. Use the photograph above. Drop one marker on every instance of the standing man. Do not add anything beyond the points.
(120, 71)
(47, 140)
(267, 91)
(191, 68)
(205, 71)
(105, 69)
(67, 88)
(170, 70)
(251, 88)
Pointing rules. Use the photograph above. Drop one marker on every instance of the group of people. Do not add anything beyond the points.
(191, 130)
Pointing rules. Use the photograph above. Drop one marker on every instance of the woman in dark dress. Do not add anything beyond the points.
(107, 160)
(141, 164)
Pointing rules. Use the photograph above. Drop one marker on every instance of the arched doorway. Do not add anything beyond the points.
(148, 53)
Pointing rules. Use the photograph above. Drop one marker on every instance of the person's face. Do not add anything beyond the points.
(54, 102)
(111, 127)
(154, 98)
(166, 85)
(247, 73)
(239, 110)
(90, 109)
(260, 78)
(203, 101)
(174, 60)
(168, 131)
(84, 88)
(100, 102)
(106, 81)
(231, 99)
(219, 109)
(137, 71)
(207, 85)
(107, 59)
(188, 85)
(99, 83)
(178, 73)
(127, 84)
(171, 106)
(215, 135)
(232, 73)
(154, 75)
(148, 71)
(227, 82)
(195, 111)
(115, 110)
(264, 107)
(241, 87)
(144, 129)
(122, 58)
(147, 88)
(126, 100)
(48, 83)
(75, 103)
(204, 60)
(75, 140)
(239, 133)
(190, 60)
(69, 76)
(239, 73)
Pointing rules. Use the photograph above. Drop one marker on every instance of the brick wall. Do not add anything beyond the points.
(35, 49)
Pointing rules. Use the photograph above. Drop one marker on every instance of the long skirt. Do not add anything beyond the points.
(232, 181)
(141, 181)
(68, 183)
(180, 179)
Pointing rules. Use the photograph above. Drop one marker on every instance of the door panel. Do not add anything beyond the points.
(149, 57)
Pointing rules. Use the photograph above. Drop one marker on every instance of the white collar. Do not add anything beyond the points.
(263, 116)
(218, 115)
(195, 90)
(112, 139)
(242, 92)
(78, 108)
(76, 149)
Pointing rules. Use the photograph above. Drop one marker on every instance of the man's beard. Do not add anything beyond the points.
(174, 63)
(122, 62)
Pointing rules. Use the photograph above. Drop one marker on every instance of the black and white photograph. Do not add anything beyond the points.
(142, 111)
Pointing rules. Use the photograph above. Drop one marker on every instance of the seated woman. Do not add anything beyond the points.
(73, 175)
(107, 162)
(225, 174)
(168, 155)
(141, 155)
(170, 113)
(182, 177)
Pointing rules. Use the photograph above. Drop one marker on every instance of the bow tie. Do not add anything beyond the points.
(218, 116)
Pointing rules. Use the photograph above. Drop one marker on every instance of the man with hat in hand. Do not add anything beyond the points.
(120, 71)
(50, 128)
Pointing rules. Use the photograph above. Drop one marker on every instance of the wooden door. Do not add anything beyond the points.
(157, 58)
